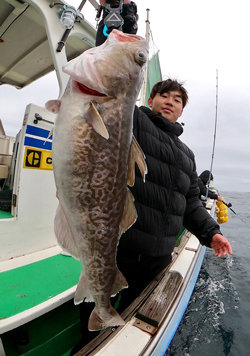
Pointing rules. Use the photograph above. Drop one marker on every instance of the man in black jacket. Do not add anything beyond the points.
(203, 180)
(168, 199)
(128, 14)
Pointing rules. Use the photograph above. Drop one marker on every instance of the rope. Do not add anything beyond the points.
(153, 46)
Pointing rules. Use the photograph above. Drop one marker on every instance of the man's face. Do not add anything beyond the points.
(169, 105)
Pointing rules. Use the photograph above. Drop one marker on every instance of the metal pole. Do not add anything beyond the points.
(94, 3)
(144, 88)
(81, 5)
(147, 25)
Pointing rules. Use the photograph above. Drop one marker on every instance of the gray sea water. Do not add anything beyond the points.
(217, 320)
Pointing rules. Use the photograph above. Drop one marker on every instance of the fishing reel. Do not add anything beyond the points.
(69, 15)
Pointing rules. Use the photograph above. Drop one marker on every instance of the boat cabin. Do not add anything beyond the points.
(35, 277)
(30, 34)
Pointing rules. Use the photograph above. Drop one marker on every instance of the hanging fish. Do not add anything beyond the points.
(94, 155)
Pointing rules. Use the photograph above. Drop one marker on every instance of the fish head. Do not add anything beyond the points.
(112, 69)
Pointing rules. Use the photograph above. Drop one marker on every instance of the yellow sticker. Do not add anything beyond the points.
(37, 159)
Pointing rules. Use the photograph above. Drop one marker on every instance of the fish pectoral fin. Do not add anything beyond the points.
(63, 232)
(120, 283)
(129, 213)
(94, 119)
(136, 155)
(112, 318)
(82, 292)
(53, 106)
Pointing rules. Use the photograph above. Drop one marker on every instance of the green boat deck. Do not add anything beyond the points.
(53, 333)
(5, 214)
(27, 286)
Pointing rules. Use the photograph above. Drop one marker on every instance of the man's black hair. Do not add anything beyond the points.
(170, 85)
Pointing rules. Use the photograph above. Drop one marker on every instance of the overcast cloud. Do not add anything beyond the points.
(194, 38)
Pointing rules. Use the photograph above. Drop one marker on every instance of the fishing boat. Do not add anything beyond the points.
(37, 280)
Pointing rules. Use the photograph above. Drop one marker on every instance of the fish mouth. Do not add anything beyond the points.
(88, 91)
(125, 37)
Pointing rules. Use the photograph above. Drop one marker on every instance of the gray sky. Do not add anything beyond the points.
(194, 38)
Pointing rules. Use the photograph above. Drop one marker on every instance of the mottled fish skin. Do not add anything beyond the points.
(91, 170)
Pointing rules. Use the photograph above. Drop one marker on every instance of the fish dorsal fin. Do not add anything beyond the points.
(83, 292)
(94, 119)
(119, 283)
(129, 213)
(136, 155)
(63, 232)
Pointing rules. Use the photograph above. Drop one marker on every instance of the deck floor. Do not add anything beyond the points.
(5, 214)
(25, 287)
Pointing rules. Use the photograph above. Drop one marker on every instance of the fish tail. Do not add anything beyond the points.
(111, 319)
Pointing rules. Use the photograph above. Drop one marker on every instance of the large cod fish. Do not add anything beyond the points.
(94, 155)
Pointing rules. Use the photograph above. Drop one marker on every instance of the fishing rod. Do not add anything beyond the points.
(229, 205)
(215, 130)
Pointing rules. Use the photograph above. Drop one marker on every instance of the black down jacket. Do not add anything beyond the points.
(169, 198)
(202, 181)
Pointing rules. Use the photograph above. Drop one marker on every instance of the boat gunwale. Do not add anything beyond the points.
(152, 347)
(36, 311)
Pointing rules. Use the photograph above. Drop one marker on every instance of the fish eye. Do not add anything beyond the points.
(140, 57)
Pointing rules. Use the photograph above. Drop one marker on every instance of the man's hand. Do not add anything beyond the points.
(220, 245)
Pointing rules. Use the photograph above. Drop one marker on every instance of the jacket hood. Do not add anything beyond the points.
(204, 176)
